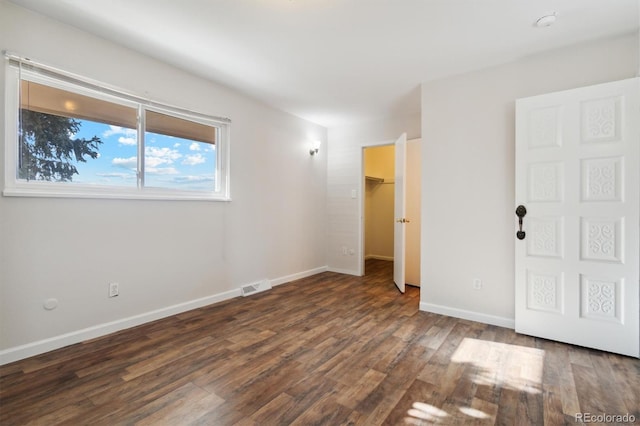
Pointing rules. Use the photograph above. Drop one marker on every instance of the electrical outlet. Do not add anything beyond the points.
(477, 284)
(113, 289)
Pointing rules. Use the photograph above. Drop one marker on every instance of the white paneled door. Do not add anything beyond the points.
(400, 206)
(578, 178)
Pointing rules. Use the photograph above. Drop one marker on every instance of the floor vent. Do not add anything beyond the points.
(258, 287)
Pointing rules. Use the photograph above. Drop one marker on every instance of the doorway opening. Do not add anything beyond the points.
(379, 187)
(379, 217)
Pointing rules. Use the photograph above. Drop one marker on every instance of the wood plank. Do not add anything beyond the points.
(187, 409)
(352, 395)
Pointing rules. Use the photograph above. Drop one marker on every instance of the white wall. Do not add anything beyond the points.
(167, 256)
(468, 204)
(345, 174)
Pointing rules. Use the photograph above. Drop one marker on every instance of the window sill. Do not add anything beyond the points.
(47, 191)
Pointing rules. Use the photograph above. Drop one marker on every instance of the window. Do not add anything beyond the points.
(71, 138)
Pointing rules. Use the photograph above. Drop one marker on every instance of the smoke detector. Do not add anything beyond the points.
(546, 20)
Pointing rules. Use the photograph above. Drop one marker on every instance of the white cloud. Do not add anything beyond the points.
(128, 163)
(127, 136)
(155, 161)
(117, 130)
(192, 160)
(155, 157)
(161, 171)
(126, 141)
(163, 155)
(176, 145)
(195, 146)
(113, 130)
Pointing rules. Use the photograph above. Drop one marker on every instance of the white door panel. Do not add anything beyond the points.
(578, 175)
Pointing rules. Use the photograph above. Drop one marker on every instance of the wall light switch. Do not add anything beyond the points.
(354, 193)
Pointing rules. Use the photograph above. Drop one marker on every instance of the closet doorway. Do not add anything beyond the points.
(378, 210)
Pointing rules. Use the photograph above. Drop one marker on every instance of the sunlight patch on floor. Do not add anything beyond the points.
(472, 412)
(491, 367)
(500, 364)
(421, 412)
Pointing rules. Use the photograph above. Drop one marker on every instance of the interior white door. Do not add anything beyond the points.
(578, 176)
(400, 203)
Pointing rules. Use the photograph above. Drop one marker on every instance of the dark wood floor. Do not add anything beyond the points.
(330, 349)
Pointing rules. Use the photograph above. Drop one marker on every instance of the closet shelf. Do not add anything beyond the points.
(374, 179)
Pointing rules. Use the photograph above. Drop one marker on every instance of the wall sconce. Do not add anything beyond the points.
(315, 146)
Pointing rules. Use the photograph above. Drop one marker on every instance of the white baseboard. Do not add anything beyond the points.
(468, 315)
(35, 348)
(52, 343)
(299, 275)
(344, 271)
(378, 257)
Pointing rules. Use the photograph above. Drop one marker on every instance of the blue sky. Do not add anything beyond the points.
(170, 162)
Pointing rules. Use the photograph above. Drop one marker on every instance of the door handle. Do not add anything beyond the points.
(403, 220)
(521, 212)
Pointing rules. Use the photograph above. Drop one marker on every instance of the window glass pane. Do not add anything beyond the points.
(87, 140)
(68, 137)
(118, 161)
(179, 154)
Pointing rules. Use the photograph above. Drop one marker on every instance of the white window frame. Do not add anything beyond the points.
(15, 187)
